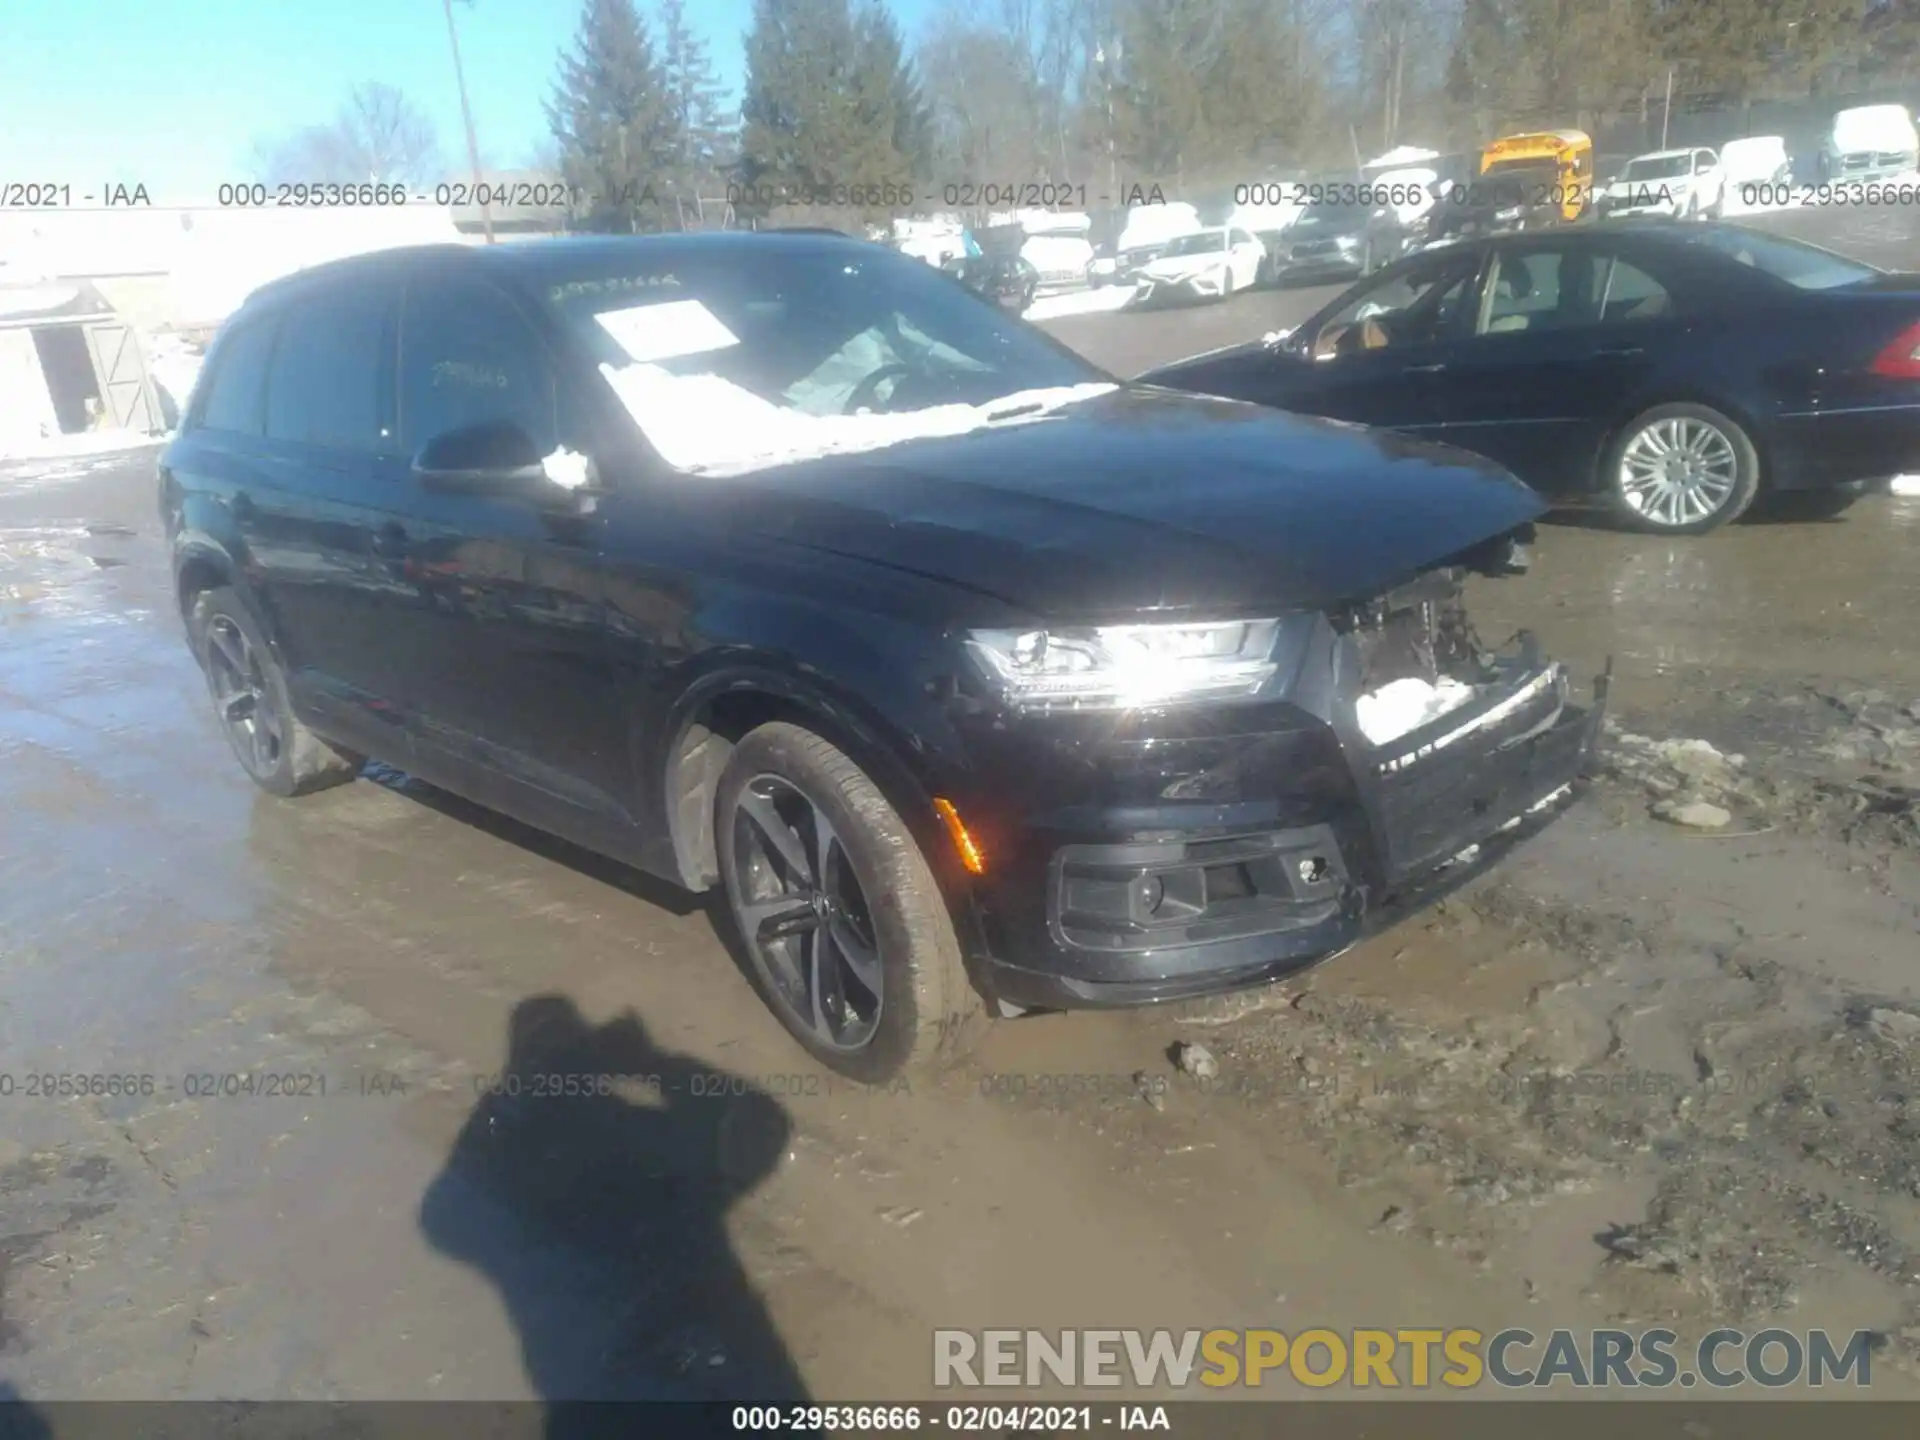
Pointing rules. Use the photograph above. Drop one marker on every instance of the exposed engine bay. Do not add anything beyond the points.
(1420, 659)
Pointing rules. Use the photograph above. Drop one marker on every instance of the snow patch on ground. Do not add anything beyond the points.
(68, 457)
(1080, 302)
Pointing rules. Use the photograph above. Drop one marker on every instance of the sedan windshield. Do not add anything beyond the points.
(1657, 167)
(722, 358)
(1806, 266)
(1207, 242)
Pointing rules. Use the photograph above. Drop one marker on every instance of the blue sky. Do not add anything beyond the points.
(173, 94)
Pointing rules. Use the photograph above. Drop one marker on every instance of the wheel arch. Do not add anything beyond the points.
(717, 710)
(199, 566)
(1742, 415)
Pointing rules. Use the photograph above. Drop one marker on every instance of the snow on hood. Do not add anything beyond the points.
(1753, 155)
(1158, 224)
(1873, 127)
(1402, 155)
(709, 426)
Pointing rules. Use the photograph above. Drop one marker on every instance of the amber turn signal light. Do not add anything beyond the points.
(970, 854)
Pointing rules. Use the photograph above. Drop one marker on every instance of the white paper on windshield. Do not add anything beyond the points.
(651, 333)
(706, 425)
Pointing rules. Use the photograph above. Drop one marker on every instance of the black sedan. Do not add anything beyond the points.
(1679, 372)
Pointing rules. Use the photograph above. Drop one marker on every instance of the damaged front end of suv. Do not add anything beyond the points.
(1162, 854)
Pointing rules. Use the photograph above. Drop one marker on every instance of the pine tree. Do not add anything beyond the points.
(611, 115)
(1169, 48)
(816, 121)
(694, 97)
(902, 114)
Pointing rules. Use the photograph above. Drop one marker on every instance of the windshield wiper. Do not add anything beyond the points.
(1039, 400)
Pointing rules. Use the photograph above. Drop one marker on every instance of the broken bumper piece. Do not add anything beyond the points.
(1362, 836)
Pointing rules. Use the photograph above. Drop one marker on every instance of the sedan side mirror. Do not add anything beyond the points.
(493, 457)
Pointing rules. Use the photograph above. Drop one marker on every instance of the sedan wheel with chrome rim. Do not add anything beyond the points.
(1682, 470)
(843, 927)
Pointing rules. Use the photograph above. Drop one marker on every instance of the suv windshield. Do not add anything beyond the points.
(1206, 242)
(1805, 266)
(718, 359)
(1659, 167)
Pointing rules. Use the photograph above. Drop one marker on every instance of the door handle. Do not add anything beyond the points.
(1437, 365)
(1619, 352)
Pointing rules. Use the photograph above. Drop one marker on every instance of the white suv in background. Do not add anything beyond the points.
(1686, 183)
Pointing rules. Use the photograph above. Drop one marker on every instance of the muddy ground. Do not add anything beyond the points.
(1644, 1072)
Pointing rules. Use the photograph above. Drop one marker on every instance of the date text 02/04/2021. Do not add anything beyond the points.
(956, 1419)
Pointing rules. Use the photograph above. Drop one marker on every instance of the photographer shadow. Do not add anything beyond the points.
(597, 1206)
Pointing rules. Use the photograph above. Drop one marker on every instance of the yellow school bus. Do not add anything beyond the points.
(1562, 160)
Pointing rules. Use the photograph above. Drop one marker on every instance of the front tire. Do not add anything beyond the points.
(1681, 469)
(249, 690)
(845, 930)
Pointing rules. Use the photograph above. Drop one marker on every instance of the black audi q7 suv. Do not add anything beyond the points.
(784, 565)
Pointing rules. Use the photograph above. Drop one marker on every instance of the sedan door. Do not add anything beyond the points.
(1382, 355)
(1246, 259)
(1564, 334)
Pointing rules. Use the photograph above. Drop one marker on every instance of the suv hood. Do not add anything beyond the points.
(1145, 499)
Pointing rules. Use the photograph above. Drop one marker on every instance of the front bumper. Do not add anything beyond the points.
(1338, 264)
(1231, 855)
(1205, 285)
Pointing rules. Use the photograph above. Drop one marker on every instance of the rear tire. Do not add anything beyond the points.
(844, 928)
(1681, 469)
(249, 690)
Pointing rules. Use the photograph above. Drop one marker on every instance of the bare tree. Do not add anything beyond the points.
(377, 135)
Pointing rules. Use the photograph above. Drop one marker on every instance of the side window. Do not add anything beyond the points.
(237, 389)
(1540, 289)
(467, 356)
(1408, 309)
(1632, 294)
(1239, 237)
(324, 386)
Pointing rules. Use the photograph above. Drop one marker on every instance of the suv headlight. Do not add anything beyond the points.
(1120, 667)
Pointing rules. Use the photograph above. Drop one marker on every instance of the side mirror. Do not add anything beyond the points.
(494, 457)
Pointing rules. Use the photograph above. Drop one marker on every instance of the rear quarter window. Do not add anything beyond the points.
(235, 400)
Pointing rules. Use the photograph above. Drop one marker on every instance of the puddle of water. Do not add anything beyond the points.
(1764, 600)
